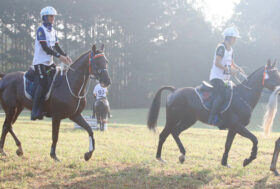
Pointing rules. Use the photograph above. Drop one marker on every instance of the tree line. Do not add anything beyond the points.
(148, 43)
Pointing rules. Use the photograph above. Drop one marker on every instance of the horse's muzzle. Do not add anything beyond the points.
(105, 84)
(105, 79)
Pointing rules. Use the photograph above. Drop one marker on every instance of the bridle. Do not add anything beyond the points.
(243, 75)
(265, 76)
(95, 70)
(91, 64)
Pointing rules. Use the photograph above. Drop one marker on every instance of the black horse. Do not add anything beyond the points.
(67, 99)
(184, 108)
(101, 107)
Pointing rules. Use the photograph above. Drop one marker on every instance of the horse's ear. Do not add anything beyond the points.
(268, 65)
(102, 47)
(94, 49)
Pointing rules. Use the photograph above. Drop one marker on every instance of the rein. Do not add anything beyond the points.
(91, 62)
(77, 96)
(243, 75)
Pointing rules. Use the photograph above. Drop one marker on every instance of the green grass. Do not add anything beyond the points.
(139, 117)
(125, 157)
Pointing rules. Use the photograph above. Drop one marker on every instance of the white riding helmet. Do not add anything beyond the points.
(48, 11)
(231, 32)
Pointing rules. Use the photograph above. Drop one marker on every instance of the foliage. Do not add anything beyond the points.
(148, 43)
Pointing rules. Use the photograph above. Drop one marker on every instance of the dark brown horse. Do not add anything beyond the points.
(184, 108)
(67, 99)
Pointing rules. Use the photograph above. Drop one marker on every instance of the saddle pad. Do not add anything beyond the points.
(206, 97)
(29, 86)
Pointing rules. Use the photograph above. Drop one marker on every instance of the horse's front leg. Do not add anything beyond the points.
(240, 129)
(275, 157)
(55, 131)
(80, 121)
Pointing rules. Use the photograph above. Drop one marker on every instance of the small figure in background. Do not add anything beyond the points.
(100, 94)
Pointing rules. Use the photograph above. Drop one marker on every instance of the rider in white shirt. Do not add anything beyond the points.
(46, 46)
(100, 92)
(223, 67)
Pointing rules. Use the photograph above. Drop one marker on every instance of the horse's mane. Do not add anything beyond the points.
(253, 74)
(83, 54)
(249, 78)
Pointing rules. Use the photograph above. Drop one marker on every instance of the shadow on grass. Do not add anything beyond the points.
(133, 177)
(262, 183)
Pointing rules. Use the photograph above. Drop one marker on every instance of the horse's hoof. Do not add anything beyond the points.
(2, 152)
(246, 162)
(275, 172)
(87, 155)
(53, 156)
(19, 152)
(227, 165)
(56, 159)
(161, 160)
(182, 158)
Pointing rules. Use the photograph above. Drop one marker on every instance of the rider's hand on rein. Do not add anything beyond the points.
(64, 59)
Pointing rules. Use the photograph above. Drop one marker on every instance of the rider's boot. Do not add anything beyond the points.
(37, 104)
(214, 110)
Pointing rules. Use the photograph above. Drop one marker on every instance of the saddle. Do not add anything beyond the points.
(30, 83)
(205, 94)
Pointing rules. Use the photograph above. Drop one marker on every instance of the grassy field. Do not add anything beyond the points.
(125, 157)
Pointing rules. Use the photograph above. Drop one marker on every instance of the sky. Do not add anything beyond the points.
(217, 12)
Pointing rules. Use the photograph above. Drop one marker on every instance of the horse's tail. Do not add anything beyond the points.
(154, 109)
(271, 110)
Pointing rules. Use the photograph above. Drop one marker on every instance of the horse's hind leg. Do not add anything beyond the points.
(55, 132)
(162, 137)
(6, 127)
(275, 157)
(18, 111)
(5, 130)
(230, 136)
(18, 143)
(181, 126)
